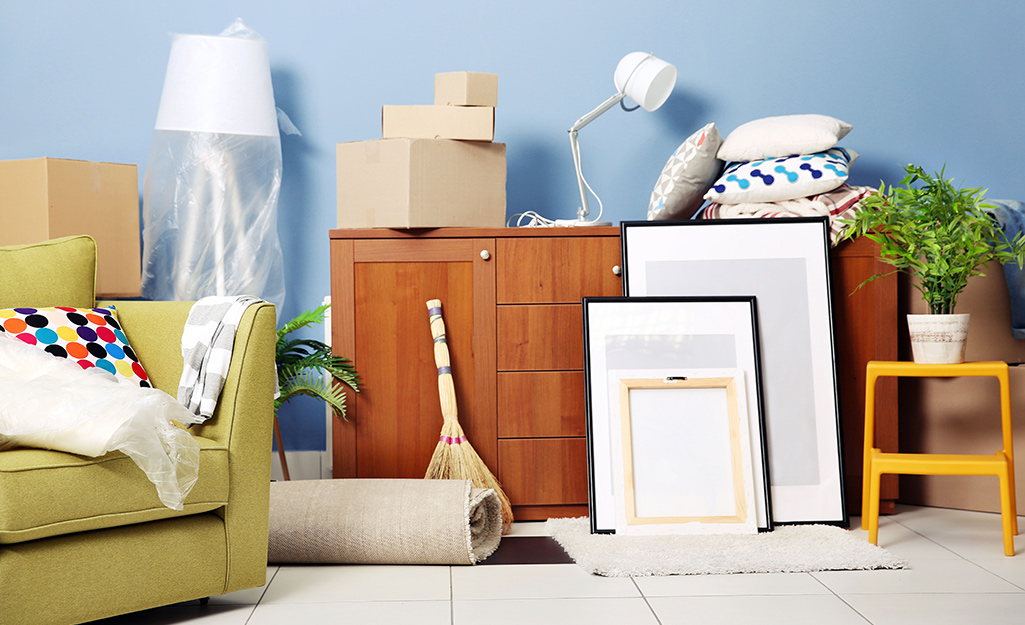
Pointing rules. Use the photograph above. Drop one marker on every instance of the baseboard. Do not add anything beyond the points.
(302, 465)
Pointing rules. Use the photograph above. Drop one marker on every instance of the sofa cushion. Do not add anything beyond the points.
(49, 493)
(60, 272)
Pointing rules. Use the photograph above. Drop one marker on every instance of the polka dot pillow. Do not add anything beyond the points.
(91, 337)
(780, 179)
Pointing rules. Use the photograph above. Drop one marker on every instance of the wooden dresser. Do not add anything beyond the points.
(511, 301)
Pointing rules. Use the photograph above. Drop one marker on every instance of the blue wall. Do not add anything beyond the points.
(927, 81)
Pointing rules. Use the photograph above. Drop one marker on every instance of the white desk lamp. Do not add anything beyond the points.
(648, 81)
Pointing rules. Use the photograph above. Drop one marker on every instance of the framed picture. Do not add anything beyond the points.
(659, 338)
(684, 465)
(785, 264)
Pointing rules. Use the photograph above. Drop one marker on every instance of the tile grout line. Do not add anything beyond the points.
(646, 602)
(835, 594)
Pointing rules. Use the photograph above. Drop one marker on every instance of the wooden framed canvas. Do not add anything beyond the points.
(785, 264)
(658, 338)
(685, 461)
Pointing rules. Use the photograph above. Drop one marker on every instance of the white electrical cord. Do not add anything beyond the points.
(533, 219)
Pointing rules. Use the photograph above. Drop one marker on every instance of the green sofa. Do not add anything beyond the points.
(85, 538)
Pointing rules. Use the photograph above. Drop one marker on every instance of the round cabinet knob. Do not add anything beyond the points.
(617, 270)
(485, 254)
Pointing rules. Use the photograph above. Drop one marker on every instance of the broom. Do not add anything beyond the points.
(454, 458)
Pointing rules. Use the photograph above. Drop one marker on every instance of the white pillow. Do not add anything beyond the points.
(779, 179)
(691, 170)
(786, 135)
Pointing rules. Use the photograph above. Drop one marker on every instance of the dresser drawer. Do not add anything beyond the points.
(540, 270)
(541, 404)
(536, 337)
(543, 471)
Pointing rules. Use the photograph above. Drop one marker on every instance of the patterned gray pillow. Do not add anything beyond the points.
(687, 176)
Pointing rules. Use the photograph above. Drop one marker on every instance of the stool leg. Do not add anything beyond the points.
(1008, 515)
(1013, 497)
(873, 507)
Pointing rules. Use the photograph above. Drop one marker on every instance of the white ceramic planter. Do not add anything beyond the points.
(938, 339)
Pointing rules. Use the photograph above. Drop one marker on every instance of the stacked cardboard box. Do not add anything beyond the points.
(47, 198)
(436, 165)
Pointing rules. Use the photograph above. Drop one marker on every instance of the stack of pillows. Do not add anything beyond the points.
(783, 166)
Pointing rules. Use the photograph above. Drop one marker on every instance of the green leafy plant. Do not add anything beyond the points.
(302, 363)
(935, 232)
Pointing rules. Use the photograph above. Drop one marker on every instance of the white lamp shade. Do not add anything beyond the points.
(646, 79)
(220, 85)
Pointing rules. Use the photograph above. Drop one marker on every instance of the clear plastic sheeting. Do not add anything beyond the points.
(212, 181)
(211, 217)
(52, 403)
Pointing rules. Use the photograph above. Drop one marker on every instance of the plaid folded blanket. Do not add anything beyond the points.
(840, 203)
(207, 342)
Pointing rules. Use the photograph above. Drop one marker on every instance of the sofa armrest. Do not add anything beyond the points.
(242, 421)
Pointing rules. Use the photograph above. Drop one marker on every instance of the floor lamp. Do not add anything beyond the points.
(212, 182)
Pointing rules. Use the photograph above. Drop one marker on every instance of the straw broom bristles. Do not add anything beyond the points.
(454, 458)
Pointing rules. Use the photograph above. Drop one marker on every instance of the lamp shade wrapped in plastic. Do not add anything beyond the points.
(213, 176)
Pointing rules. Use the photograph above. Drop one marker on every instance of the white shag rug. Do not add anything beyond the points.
(787, 549)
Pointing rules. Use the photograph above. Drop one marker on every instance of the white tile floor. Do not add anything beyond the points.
(958, 575)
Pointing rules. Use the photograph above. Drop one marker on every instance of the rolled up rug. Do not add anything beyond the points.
(382, 521)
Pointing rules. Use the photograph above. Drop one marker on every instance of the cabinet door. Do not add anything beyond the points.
(386, 283)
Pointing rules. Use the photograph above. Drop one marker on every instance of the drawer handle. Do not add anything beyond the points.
(485, 254)
(617, 270)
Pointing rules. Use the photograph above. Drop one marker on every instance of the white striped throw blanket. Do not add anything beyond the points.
(207, 341)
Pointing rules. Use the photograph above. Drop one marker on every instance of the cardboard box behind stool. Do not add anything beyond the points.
(47, 198)
(421, 183)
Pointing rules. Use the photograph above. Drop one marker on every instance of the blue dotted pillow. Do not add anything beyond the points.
(780, 179)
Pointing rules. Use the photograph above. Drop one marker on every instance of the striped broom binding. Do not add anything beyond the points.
(454, 457)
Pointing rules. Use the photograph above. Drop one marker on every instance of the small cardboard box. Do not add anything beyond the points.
(467, 123)
(47, 198)
(421, 183)
(466, 89)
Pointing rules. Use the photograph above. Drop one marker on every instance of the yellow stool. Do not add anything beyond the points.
(1000, 464)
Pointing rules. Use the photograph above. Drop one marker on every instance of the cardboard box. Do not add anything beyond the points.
(467, 123)
(466, 89)
(47, 198)
(421, 183)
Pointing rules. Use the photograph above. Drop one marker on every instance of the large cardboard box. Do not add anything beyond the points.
(46, 198)
(421, 183)
(424, 121)
(466, 89)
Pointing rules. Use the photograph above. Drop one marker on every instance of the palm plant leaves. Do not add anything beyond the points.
(303, 363)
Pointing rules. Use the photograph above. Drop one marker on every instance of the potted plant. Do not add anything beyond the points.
(941, 236)
(301, 365)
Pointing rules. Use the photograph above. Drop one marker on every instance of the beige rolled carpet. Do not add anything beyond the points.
(382, 521)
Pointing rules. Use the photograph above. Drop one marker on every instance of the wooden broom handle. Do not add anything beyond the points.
(446, 385)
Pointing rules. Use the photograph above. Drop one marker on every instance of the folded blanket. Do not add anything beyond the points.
(52, 403)
(840, 203)
(382, 521)
(207, 342)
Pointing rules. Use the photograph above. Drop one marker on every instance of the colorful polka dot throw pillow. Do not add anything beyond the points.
(780, 179)
(92, 337)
